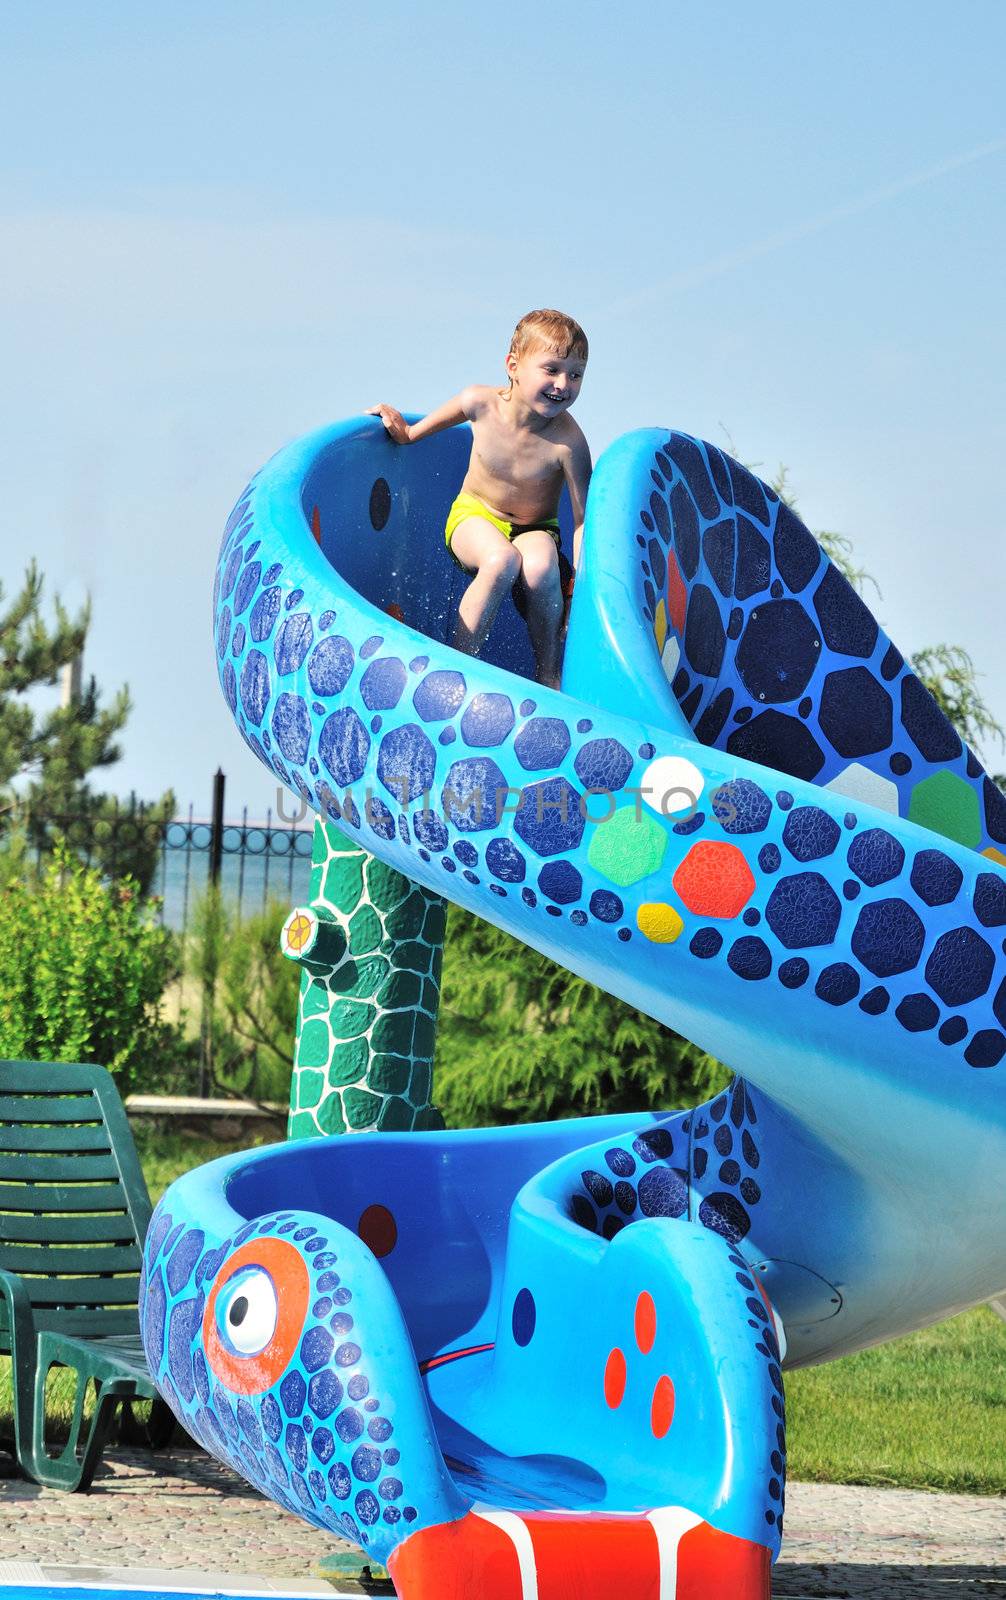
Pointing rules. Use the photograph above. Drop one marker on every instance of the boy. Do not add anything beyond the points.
(502, 527)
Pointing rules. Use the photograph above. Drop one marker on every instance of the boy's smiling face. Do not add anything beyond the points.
(547, 382)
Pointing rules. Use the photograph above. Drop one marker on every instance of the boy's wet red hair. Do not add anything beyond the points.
(554, 330)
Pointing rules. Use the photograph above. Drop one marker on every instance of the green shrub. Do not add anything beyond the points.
(520, 1039)
(83, 967)
(249, 999)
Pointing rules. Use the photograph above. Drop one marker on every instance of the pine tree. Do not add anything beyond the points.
(522, 1040)
(47, 754)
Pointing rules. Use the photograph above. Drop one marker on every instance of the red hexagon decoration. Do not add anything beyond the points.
(677, 595)
(714, 880)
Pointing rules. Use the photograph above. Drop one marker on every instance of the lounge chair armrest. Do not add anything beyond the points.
(14, 1292)
(23, 1339)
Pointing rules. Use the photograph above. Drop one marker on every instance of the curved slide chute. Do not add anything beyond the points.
(552, 1366)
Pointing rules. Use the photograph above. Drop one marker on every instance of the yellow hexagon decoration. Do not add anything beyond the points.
(658, 922)
(660, 624)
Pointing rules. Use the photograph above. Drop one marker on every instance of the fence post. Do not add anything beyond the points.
(217, 827)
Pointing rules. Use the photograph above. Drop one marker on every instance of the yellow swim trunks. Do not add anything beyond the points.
(469, 505)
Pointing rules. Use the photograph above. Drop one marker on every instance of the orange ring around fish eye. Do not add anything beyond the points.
(255, 1372)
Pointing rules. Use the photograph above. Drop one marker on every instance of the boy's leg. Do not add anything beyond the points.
(482, 549)
(543, 586)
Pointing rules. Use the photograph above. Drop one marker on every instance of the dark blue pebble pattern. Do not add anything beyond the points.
(647, 1174)
(305, 1442)
(782, 661)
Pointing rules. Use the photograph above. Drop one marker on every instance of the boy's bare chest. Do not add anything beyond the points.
(518, 460)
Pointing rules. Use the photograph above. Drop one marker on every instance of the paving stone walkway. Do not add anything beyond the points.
(180, 1509)
(849, 1541)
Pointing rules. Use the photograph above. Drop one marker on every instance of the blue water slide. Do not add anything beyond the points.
(743, 814)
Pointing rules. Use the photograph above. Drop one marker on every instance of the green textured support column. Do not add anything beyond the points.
(370, 946)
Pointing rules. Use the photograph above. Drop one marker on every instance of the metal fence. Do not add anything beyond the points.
(253, 862)
(259, 862)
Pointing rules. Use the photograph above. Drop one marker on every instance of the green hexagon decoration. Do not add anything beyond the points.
(627, 846)
(947, 805)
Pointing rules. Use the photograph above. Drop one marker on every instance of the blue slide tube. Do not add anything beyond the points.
(744, 815)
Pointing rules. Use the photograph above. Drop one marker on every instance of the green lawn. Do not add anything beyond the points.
(928, 1412)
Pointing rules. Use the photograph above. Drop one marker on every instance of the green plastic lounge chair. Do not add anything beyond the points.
(73, 1213)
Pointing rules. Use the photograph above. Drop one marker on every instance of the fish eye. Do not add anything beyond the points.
(255, 1313)
(247, 1311)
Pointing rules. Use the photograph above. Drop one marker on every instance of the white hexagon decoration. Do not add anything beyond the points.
(671, 785)
(869, 788)
(670, 656)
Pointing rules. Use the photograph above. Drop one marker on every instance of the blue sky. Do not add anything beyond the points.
(224, 224)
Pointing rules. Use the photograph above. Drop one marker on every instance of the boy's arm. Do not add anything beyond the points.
(577, 468)
(458, 409)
